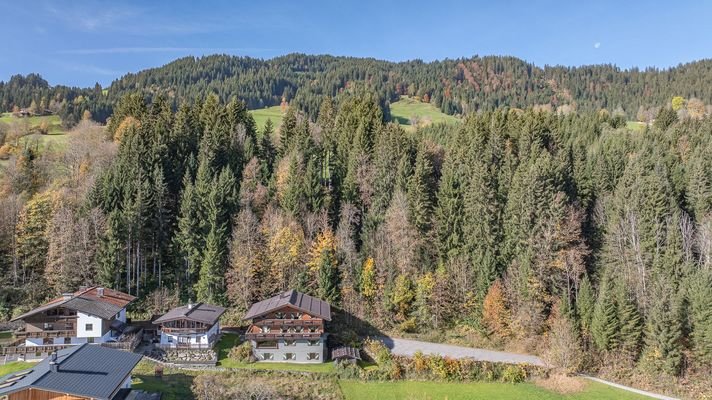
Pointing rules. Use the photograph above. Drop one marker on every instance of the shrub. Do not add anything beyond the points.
(514, 374)
(437, 367)
(420, 363)
(409, 325)
(242, 353)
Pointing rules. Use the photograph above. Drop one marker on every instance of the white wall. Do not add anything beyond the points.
(83, 320)
(169, 338)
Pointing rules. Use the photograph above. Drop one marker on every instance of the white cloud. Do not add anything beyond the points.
(597, 45)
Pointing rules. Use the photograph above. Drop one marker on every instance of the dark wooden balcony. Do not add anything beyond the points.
(289, 322)
(278, 335)
(45, 334)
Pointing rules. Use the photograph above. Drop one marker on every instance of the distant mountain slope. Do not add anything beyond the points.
(455, 86)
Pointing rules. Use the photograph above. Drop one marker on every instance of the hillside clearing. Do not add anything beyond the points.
(263, 114)
(408, 111)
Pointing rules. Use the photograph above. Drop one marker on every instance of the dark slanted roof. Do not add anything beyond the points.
(345, 353)
(300, 301)
(201, 312)
(99, 302)
(83, 371)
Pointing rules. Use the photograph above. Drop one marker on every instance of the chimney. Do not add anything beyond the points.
(53, 364)
(190, 305)
(100, 292)
(67, 296)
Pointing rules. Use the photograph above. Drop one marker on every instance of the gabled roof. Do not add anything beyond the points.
(99, 302)
(300, 301)
(83, 371)
(200, 312)
(349, 353)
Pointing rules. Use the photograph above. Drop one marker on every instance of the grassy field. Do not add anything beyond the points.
(403, 390)
(635, 125)
(56, 137)
(263, 114)
(174, 384)
(229, 340)
(405, 109)
(14, 367)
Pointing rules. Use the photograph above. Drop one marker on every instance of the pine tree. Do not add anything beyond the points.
(701, 315)
(420, 192)
(585, 305)
(605, 325)
(630, 322)
(663, 334)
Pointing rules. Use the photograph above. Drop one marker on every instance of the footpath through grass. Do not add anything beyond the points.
(409, 390)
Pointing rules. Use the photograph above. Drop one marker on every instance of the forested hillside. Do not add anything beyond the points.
(455, 86)
(566, 235)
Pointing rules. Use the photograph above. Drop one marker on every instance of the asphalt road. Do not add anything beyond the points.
(407, 347)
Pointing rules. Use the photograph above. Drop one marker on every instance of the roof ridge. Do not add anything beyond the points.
(192, 307)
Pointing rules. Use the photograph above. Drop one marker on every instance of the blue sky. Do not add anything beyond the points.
(82, 42)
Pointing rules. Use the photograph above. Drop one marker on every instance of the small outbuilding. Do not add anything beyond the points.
(346, 354)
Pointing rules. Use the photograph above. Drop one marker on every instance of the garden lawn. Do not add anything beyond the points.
(263, 114)
(14, 367)
(403, 110)
(230, 340)
(174, 384)
(411, 390)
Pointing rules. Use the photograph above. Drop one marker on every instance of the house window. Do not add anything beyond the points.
(312, 329)
(47, 341)
(279, 315)
(312, 356)
(284, 329)
(313, 343)
(48, 326)
(89, 327)
(67, 340)
(298, 329)
(90, 340)
(268, 344)
(267, 356)
(290, 356)
(265, 329)
(290, 342)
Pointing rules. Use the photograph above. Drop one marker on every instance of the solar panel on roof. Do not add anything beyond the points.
(14, 379)
(7, 384)
(23, 373)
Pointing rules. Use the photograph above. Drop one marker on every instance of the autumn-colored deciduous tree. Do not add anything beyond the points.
(496, 316)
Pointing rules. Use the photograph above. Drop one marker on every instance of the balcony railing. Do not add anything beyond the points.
(184, 346)
(278, 335)
(183, 331)
(289, 322)
(46, 334)
(20, 350)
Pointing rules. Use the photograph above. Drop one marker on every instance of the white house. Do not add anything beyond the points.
(90, 315)
(190, 326)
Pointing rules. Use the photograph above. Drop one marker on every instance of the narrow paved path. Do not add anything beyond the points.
(630, 389)
(407, 347)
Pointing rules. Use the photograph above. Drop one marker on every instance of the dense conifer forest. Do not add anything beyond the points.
(566, 234)
(458, 86)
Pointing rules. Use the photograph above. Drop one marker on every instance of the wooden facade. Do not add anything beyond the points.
(36, 394)
(285, 323)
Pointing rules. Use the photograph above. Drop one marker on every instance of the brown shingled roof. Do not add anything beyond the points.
(300, 301)
(96, 301)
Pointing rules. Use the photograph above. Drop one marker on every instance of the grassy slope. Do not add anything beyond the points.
(261, 116)
(174, 384)
(357, 390)
(635, 125)
(405, 108)
(56, 136)
(14, 367)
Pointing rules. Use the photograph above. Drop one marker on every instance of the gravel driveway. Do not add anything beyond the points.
(407, 347)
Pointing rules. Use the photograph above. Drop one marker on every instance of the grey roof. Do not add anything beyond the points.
(85, 371)
(92, 307)
(345, 353)
(300, 301)
(201, 312)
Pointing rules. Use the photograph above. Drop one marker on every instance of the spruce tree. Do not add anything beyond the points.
(630, 322)
(663, 334)
(605, 325)
(585, 306)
